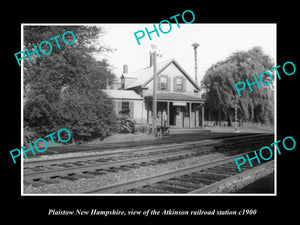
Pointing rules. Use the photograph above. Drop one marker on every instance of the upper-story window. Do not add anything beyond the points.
(163, 83)
(179, 84)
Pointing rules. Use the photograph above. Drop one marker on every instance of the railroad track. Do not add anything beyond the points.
(99, 164)
(141, 151)
(88, 166)
(204, 178)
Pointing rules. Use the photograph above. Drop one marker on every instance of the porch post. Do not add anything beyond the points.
(190, 109)
(202, 115)
(168, 113)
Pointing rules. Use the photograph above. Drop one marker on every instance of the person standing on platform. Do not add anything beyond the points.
(159, 124)
(165, 119)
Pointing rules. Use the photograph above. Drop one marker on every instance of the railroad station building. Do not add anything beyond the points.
(177, 94)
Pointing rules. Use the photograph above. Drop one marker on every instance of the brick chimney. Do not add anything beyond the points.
(122, 82)
(125, 72)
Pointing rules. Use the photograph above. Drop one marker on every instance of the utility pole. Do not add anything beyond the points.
(154, 110)
(196, 45)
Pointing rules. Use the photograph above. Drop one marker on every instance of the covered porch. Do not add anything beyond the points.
(183, 111)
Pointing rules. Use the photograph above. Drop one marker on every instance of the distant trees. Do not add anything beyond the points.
(62, 89)
(219, 81)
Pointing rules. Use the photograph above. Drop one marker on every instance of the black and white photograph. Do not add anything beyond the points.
(106, 115)
(150, 113)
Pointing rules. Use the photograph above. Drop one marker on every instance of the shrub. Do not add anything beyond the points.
(29, 135)
(125, 124)
(143, 128)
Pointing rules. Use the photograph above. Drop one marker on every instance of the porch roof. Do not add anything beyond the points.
(173, 96)
(123, 94)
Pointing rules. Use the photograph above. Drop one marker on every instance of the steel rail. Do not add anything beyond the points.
(105, 165)
(36, 163)
(124, 186)
(240, 176)
(111, 164)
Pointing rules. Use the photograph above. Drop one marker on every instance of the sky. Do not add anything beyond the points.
(217, 42)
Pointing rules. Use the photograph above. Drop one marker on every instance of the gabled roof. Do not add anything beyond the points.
(123, 94)
(144, 76)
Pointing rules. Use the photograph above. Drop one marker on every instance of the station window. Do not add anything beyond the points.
(162, 85)
(125, 106)
(179, 84)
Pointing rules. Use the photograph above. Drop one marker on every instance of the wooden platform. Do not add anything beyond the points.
(188, 130)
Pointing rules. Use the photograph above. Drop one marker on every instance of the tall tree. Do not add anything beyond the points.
(220, 80)
(63, 89)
